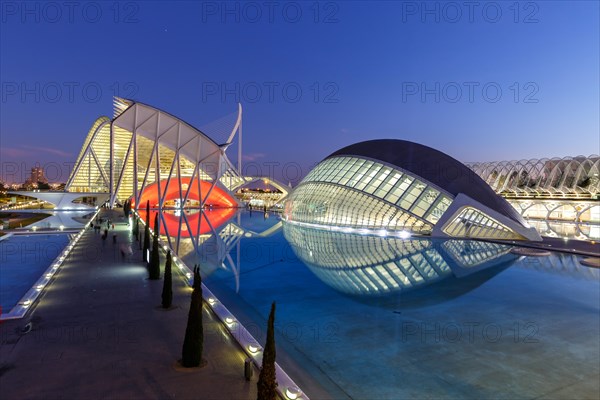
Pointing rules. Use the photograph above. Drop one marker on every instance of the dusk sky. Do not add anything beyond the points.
(480, 81)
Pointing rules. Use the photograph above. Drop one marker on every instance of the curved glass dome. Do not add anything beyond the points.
(395, 185)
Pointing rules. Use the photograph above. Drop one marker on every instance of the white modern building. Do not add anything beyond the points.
(559, 196)
(402, 188)
(147, 155)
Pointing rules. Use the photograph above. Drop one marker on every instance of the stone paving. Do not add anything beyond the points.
(98, 332)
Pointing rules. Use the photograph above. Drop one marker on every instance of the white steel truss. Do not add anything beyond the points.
(142, 146)
(577, 177)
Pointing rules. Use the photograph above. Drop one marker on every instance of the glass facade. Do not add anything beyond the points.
(472, 254)
(471, 222)
(142, 146)
(361, 193)
(92, 169)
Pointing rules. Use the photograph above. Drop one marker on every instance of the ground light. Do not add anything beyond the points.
(293, 392)
(287, 388)
(20, 310)
(252, 348)
(360, 231)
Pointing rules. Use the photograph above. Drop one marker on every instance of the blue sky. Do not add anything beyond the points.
(496, 82)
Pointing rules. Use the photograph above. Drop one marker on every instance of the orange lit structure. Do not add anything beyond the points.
(192, 224)
(146, 154)
(185, 189)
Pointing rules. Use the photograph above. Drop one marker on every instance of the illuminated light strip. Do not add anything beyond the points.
(347, 229)
(286, 387)
(29, 298)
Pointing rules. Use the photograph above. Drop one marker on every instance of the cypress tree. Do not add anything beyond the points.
(156, 226)
(136, 227)
(267, 381)
(146, 234)
(147, 212)
(154, 255)
(167, 292)
(193, 344)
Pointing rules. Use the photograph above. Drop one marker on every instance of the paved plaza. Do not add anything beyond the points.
(98, 332)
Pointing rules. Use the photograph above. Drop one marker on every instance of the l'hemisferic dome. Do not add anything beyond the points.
(396, 187)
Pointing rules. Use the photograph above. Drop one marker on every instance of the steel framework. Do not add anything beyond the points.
(142, 146)
(577, 177)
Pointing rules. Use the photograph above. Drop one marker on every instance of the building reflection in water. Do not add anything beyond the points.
(397, 272)
(560, 263)
(204, 237)
(387, 271)
(209, 238)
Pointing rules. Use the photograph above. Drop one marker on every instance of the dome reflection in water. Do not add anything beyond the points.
(397, 273)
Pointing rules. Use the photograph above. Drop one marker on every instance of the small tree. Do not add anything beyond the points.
(147, 212)
(156, 229)
(167, 292)
(154, 256)
(146, 234)
(193, 344)
(267, 381)
(136, 227)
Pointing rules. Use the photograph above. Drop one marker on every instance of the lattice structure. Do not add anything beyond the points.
(144, 153)
(577, 177)
(345, 191)
(470, 222)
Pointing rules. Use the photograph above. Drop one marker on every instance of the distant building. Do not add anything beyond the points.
(37, 175)
(270, 198)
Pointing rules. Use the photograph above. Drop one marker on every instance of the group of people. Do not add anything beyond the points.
(97, 225)
(104, 225)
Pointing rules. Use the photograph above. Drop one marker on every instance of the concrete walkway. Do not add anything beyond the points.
(98, 332)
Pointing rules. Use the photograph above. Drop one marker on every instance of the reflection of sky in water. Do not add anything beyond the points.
(372, 317)
(23, 258)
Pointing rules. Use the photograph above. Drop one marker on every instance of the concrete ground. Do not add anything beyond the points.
(98, 332)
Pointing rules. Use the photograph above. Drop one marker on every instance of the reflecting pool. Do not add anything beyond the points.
(23, 259)
(370, 316)
(66, 219)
